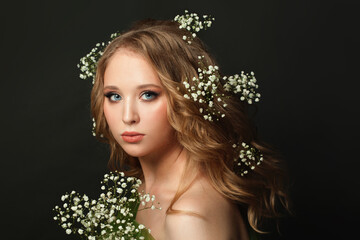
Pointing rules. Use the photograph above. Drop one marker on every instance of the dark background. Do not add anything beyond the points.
(304, 54)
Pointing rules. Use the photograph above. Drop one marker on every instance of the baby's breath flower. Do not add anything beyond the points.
(204, 87)
(245, 84)
(88, 63)
(248, 158)
(64, 197)
(95, 219)
(192, 23)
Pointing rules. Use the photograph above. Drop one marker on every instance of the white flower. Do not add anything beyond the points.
(86, 198)
(64, 197)
(99, 217)
(212, 78)
(194, 95)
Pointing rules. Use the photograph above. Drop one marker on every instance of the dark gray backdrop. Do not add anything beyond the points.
(304, 56)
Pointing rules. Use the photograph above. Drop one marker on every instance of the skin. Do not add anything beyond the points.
(136, 101)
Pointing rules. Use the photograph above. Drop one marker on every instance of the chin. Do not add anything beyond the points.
(134, 151)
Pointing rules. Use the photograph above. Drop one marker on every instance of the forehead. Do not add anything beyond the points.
(126, 67)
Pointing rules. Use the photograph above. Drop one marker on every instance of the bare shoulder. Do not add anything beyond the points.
(206, 215)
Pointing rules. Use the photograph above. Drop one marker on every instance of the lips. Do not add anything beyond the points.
(132, 137)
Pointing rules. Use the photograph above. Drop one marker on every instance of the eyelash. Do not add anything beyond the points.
(109, 95)
(154, 94)
(112, 94)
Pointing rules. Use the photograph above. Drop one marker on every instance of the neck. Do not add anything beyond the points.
(162, 170)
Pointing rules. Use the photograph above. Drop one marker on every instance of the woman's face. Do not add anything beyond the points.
(135, 105)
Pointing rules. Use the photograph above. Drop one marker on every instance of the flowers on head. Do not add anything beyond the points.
(89, 62)
(192, 23)
(204, 87)
(243, 84)
(248, 158)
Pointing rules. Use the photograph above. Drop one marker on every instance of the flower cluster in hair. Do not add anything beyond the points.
(111, 216)
(248, 158)
(204, 90)
(88, 63)
(243, 84)
(192, 23)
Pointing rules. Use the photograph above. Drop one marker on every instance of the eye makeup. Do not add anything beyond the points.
(149, 95)
(113, 97)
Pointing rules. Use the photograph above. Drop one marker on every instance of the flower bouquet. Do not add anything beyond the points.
(111, 216)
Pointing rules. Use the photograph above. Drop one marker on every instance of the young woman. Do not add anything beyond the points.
(183, 148)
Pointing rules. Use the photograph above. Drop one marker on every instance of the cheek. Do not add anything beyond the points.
(157, 117)
(110, 115)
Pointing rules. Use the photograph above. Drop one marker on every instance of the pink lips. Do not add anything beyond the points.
(132, 137)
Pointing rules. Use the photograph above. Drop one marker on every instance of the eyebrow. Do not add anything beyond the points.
(111, 87)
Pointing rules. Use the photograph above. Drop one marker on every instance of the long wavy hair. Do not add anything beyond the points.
(259, 194)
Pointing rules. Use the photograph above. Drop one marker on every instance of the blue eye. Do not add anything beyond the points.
(113, 97)
(149, 95)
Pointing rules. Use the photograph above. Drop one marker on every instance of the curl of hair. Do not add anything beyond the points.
(262, 192)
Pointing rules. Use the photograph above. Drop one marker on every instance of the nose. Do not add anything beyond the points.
(130, 114)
